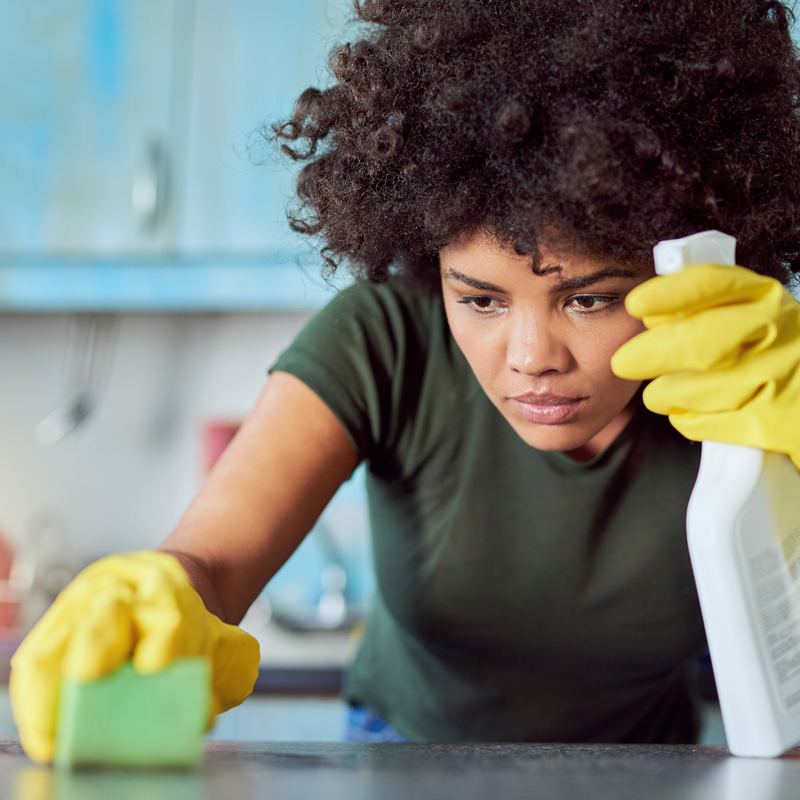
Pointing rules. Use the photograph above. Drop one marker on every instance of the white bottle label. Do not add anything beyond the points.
(769, 540)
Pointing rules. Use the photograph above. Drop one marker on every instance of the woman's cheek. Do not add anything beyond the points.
(481, 344)
(615, 335)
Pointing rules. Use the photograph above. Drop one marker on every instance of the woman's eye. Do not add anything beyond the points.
(482, 304)
(592, 302)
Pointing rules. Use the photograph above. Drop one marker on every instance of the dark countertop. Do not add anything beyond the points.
(300, 680)
(308, 771)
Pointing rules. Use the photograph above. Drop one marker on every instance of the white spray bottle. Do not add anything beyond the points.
(743, 525)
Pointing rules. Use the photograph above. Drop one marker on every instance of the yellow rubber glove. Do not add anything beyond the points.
(723, 348)
(140, 606)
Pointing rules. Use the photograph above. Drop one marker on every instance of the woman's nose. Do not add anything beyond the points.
(534, 348)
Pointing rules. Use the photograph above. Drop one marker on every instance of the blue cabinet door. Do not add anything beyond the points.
(88, 98)
(129, 150)
(251, 59)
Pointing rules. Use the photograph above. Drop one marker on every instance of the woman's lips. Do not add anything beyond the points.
(546, 408)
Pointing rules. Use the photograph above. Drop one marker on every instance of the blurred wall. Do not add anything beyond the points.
(122, 480)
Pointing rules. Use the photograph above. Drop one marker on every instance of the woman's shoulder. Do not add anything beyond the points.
(393, 326)
(398, 306)
(383, 359)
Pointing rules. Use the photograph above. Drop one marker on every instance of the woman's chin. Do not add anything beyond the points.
(564, 437)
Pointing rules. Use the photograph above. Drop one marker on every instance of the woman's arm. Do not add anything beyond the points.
(262, 497)
(260, 500)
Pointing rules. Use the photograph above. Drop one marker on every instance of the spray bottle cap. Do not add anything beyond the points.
(708, 247)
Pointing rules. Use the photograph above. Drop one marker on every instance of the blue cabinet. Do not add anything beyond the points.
(129, 146)
(251, 59)
(85, 89)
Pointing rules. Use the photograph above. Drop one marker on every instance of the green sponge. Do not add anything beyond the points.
(132, 720)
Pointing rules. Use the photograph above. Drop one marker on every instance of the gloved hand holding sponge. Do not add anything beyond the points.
(139, 606)
(723, 352)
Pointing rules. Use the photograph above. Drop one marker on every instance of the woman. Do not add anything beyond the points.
(496, 175)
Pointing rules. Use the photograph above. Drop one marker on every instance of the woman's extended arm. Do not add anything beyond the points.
(260, 500)
(262, 497)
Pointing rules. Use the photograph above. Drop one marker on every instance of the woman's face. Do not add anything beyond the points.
(541, 345)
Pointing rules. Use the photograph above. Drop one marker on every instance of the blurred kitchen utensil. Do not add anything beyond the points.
(43, 565)
(88, 357)
(216, 438)
(334, 609)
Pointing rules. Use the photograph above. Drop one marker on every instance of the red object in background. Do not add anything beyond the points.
(216, 437)
(8, 608)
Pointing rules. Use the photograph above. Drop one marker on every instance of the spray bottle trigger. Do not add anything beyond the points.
(708, 247)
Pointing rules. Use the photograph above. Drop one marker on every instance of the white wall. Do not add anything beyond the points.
(122, 480)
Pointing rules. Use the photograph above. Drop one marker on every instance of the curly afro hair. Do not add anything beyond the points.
(600, 126)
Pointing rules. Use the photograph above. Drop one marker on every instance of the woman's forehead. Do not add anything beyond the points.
(483, 257)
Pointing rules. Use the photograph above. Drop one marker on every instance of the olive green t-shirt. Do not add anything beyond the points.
(521, 595)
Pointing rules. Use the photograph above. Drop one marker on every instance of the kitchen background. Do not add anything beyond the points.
(147, 280)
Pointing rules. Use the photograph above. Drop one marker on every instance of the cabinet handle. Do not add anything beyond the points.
(151, 187)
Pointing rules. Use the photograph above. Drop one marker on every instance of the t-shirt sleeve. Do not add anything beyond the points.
(355, 355)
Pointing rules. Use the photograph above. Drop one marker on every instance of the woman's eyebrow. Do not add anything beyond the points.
(580, 282)
(452, 274)
(594, 277)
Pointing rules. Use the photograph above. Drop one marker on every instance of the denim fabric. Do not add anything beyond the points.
(364, 725)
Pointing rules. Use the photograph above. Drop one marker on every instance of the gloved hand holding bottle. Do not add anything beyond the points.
(139, 606)
(722, 351)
